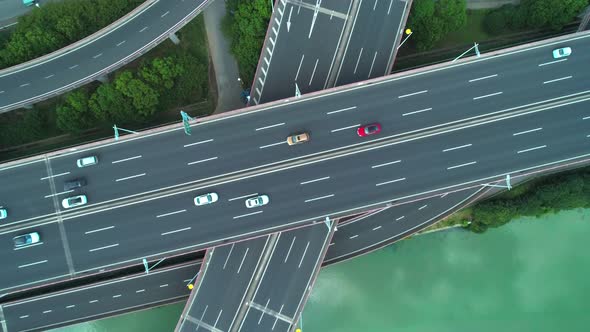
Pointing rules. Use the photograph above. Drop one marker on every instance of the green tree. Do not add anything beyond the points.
(144, 98)
(109, 104)
(161, 72)
(551, 13)
(432, 20)
(249, 25)
(74, 114)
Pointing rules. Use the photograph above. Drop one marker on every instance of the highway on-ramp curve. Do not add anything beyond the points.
(62, 73)
(393, 166)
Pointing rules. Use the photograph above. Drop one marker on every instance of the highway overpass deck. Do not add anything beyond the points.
(98, 300)
(408, 166)
(287, 280)
(51, 77)
(421, 100)
(372, 45)
(222, 284)
(290, 54)
(268, 276)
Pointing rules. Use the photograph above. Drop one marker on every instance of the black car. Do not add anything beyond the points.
(73, 184)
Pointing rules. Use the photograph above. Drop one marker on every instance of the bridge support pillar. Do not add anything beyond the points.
(174, 38)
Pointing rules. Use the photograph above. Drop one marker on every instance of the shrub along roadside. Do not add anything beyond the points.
(549, 194)
(57, 25)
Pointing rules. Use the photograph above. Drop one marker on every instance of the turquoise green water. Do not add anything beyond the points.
(530, 275)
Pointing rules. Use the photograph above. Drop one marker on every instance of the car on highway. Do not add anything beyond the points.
(368, 130)
(26, 239)
(206, 199)
(257, 201)
(73, 184)
(3, 214)
(298, 138)
(74, 201)
(562, 52)
(87, 161)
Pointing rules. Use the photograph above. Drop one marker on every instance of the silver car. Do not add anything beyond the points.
(206, 199)
(257, 201)
(74, 201)
(3, 214)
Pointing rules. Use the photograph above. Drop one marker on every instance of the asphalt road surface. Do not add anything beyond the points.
(86, 62)
(395, 165)
(98, 300)
(375, 36)
(291, 54)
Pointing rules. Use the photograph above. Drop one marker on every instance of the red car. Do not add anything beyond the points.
(368, 130)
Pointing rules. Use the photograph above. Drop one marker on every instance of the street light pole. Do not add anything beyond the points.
(408, 33)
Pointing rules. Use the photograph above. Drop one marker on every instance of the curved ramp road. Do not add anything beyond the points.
(65, 72)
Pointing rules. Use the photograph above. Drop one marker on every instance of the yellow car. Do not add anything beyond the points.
(298, 138)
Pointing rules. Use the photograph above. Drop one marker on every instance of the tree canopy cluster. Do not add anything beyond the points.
(59, 24)
(135, 96)
(533, 14)
(248, 22)
(431, 20)
(563, 191)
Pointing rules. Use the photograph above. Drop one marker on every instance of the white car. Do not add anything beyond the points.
(74, 201)
(3, 214)
(26, 239)
(206, 199)
(257, 201)
(562, 52)
(87, 161)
